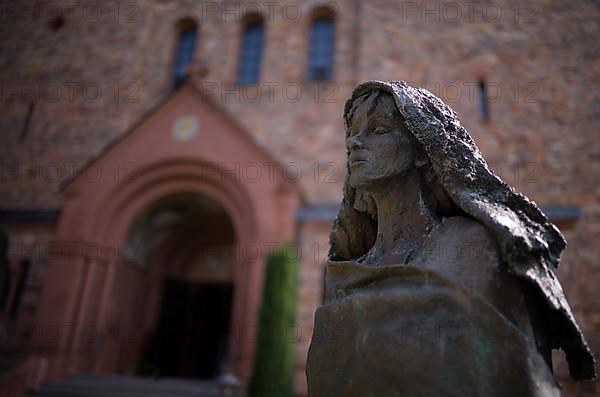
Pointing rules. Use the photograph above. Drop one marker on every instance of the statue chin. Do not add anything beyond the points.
(359, 182)
(369, 182)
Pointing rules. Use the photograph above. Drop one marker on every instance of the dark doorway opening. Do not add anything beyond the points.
(193, 331)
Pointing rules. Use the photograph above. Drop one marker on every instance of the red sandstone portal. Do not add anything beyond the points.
(113, 266)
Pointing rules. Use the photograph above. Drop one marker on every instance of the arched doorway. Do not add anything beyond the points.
(96, 282)
(185, 244)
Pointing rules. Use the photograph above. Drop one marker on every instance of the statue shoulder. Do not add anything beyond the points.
(467, 227)
(463, 250)
(467, 253)
(464, 242)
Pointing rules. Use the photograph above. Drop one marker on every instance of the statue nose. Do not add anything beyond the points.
(353, 143)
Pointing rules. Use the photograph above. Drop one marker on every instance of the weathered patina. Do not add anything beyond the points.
(440, 276)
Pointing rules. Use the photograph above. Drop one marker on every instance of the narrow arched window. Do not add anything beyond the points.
(321, 48)
(484, 106)
(251, 53)
(186, 47)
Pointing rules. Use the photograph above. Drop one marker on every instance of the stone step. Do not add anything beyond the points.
(124, 386)
(133, 382)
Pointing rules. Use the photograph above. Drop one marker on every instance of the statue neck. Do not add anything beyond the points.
(404, 218)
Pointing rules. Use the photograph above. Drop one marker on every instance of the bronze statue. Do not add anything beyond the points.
(440, 276)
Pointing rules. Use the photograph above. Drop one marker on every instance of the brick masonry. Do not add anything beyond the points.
(86, 79)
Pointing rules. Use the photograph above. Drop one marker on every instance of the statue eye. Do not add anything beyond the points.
(380, 130)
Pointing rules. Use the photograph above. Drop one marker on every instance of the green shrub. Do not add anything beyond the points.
(277, 331)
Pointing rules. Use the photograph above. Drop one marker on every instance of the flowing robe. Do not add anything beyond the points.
(452, 322)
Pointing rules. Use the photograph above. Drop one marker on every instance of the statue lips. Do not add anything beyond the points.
(356, 158)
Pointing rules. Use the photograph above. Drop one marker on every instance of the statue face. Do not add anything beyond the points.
(378, 143)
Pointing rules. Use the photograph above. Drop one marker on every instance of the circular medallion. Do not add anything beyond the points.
(185, 128)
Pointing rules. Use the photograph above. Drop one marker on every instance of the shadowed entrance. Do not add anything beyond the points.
(193, 329)
(187, 243)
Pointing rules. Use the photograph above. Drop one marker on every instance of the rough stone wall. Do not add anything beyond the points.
(539, 60)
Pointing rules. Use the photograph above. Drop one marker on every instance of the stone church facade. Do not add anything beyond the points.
(131, 173)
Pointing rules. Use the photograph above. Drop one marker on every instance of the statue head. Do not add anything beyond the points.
(392, 130)
(378, 144)
(380, 149)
